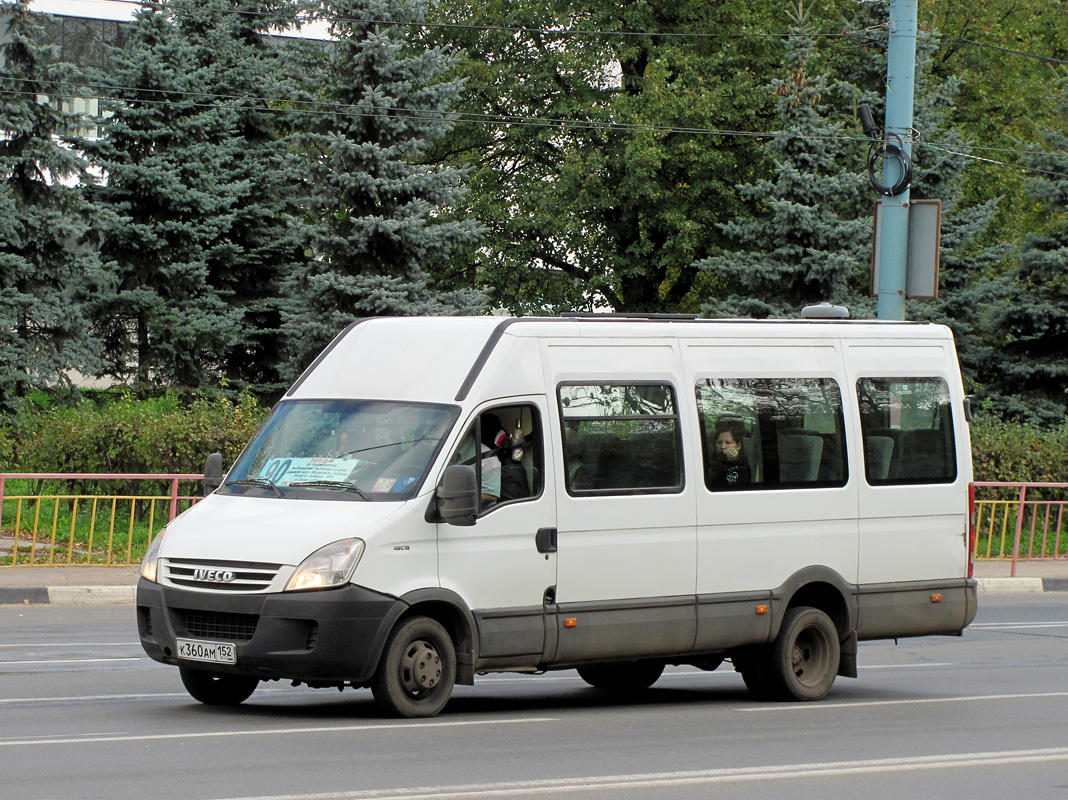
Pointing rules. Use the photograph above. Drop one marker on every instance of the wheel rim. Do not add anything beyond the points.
(420, 668)
(810, 657)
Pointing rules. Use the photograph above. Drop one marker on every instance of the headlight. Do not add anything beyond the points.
(148, 563)
(328, 566)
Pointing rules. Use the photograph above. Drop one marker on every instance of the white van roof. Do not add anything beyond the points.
(439, 359)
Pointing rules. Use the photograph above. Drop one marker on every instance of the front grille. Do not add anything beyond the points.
(220, 576)
(229, 627)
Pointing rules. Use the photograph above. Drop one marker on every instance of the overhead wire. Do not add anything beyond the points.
(314, 107)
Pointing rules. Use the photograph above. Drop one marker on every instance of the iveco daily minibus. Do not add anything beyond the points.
(437, 498)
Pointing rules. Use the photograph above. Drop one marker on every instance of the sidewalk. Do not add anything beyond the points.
(88, 585)
(67, 585)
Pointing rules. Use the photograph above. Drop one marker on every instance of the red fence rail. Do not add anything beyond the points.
(1018, 521)
(73, 519)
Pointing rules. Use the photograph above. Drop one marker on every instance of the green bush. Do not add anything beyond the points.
(162, 435)
(1015, 451)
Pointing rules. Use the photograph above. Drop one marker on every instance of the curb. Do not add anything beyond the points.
(1021, 585)
(68, 595)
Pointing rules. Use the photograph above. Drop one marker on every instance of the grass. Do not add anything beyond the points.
(52, 522)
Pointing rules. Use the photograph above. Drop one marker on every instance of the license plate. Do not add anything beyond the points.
(215, 652)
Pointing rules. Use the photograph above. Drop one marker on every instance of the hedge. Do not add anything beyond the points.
(163, 435)
(1014, 451)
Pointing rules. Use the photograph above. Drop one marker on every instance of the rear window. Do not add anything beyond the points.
(907, 424)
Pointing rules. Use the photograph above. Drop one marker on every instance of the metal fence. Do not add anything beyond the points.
(87, 519)
(1018, 521)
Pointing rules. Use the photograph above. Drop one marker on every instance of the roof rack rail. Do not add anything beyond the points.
(629, 315)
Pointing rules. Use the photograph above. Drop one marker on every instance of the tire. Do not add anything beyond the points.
(632, 676)
(804, 659)
(417, 671)
(217, 689)
(753, 666)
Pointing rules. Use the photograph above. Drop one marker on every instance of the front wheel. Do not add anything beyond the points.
(804, 659)
(632, 676)
(417, 671)
(217, 689)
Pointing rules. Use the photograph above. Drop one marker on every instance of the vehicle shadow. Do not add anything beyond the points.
(521, 696)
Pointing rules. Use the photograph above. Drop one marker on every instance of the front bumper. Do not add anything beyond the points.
(328, 636)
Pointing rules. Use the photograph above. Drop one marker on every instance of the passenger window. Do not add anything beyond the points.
(908, 430)
(772, 433)
(509, 442)
(620, 439)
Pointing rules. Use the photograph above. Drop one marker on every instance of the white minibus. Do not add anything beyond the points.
(438, 498)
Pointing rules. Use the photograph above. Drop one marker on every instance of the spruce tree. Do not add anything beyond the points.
(188, 215)
(809, 241)
(166, 200)
(372, 218)
(233, 40)
(42, 328)
(1031, 380)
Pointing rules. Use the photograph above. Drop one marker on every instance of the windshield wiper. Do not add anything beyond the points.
(263, 483)
(348, 486)
(390, 444)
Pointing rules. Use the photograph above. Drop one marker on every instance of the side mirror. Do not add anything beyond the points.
(212, 473)
(458, 495)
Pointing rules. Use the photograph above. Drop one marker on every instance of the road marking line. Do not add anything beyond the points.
(697, 777)
(271, 732)
(72, 644)
(1000, 626)
(70, 661)
(917, 701)
(96, 698)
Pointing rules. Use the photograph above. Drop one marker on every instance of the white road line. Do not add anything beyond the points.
(94, 698)
(1003, 626)
(71, 644)
(646, 781)
(38, 742)
(918, 701)
(20, 663)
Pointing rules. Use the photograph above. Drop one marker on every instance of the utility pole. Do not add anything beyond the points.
(897, 132)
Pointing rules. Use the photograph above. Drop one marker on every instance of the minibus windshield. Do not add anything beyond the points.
(341, 449)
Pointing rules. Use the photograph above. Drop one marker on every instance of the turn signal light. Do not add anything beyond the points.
(936, 598)
(571, 622)
(762, 609)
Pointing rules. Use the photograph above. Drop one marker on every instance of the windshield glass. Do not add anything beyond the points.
(342, 449)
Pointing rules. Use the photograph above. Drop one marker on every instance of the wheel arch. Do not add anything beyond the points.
(451, 612)
(822, 588)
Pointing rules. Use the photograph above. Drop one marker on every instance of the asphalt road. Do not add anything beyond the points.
(83, 714)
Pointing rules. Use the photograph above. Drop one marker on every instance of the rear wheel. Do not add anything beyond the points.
(804, 659)
(632, 676)
(417, 671)
(217, 689)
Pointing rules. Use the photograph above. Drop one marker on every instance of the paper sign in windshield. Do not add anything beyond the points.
(286, 471)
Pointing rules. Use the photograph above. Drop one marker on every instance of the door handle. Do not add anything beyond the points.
(545, 540)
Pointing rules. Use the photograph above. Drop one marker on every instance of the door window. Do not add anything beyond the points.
(508, 442)
(620, 438)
